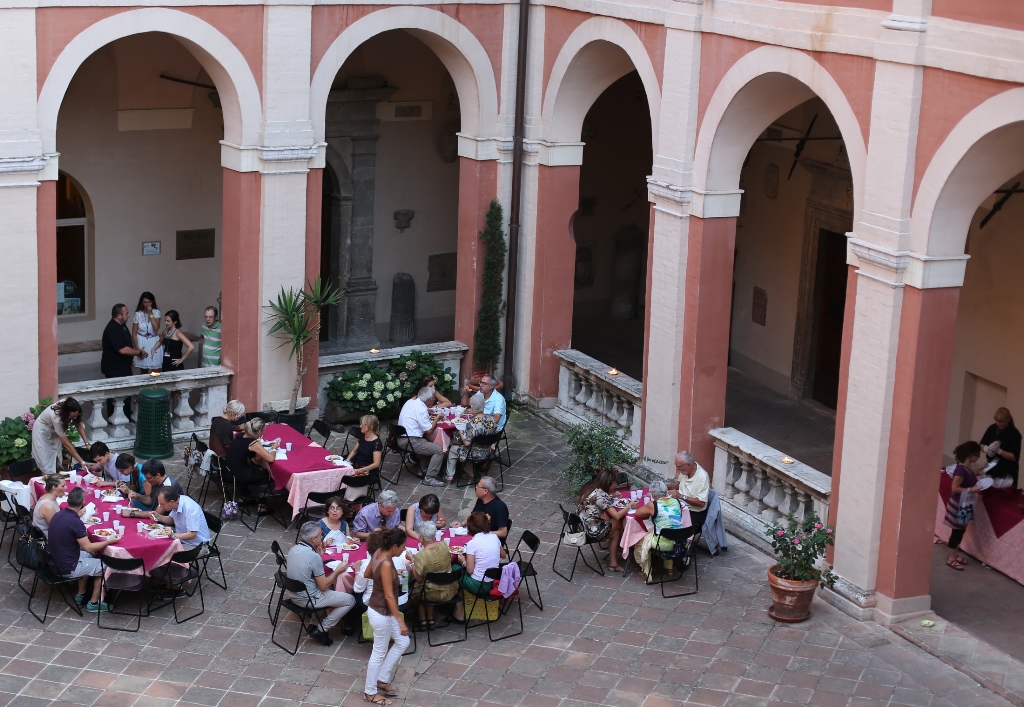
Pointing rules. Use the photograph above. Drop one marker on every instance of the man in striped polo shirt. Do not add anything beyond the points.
(211, 339)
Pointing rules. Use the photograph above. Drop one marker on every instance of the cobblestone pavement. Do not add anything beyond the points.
(610, 640)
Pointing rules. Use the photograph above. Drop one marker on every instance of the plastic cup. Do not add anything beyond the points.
(288, 446)
(344, 557)
(117, 524)
(106, 516)
(438, 535)
(647, 499)
(96, 493)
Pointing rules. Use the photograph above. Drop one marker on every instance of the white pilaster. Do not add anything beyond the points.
(878, 248)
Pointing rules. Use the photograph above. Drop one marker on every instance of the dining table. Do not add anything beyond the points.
(447, 425)
(150, 544)
(306, 467)
(635, 529)
(456, 538)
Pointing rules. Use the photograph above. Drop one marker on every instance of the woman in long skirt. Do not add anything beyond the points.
(49, 435)
(146, 327)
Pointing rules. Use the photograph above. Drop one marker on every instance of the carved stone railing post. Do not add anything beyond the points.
(118, 430)
(757, 488)
(588, 391)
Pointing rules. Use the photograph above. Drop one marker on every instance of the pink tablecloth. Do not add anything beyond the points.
(153, 551)
(306, 469)
(344, 582)
(1003, 552)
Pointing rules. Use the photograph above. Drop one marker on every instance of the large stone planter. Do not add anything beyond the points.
(335, 414)
(791, 600)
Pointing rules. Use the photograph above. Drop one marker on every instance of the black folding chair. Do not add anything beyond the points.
(21, 470)
(322, 429)
(503, 606)
(182, 574)
(214, 477)
(305, 613)
(397, 434)
(282, 566)
(682, 554)
(214, 523)
(47, 574)
(504, 441)
(268, 416)
(352, 432)
(480, 466)
(573, 524)
(526, 567)
(21, 516)
(314, 512)
(262, 494)
(123, 575)
(8, 515)
(367, 482)
(438, 580)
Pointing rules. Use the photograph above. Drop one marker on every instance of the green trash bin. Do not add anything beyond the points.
(153, 425)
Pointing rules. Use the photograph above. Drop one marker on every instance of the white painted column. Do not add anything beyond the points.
(286, 155)
(669, 191)
(20, 164)
(881, 236)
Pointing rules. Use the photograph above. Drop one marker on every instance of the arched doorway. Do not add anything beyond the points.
(789, 285)
(611, 228)
(390, 230)
(139, 126)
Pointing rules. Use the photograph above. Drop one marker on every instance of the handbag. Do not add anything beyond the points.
(367, 628)
(578, 539)
(229, 511)
(965, 514)
(27, 552)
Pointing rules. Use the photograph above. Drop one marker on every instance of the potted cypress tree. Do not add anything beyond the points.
(487, 338)
(295, 318)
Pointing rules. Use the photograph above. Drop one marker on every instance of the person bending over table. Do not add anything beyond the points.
(483, 552)
(427, 509)
(50, 434)
(1001, 443)
(382, 515)
(73, 552)
(184, 514)
(366, 455)
(248, 460)
(386, 619)
(665, 511)
(460, 450)
(224, 428)
(691, 486)
(305, 565)
(437, 400)
(434, 556)
(47, 505)
(106, 469)
(333, 527)
(488, 503)
(419, 427)
(601, 519)
(154, 477)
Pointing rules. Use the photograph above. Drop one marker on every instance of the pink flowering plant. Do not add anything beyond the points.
(798, 545)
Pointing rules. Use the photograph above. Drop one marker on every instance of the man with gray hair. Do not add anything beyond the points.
(494, 402)
(691, 486)
(305, 565)
(419, 428)
(376, 516)
(488, 503)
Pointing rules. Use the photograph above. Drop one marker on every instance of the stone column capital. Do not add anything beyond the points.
(903, 267)
(273, 159)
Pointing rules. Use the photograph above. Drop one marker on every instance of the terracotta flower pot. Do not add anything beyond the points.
(791, 599)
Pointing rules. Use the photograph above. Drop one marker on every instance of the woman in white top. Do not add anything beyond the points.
(146, 327)
(47, 504)
(482, 553)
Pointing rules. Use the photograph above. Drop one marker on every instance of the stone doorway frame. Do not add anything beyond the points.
(818, 216)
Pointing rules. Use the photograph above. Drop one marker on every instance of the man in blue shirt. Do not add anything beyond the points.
(494, 402)
(184, 514)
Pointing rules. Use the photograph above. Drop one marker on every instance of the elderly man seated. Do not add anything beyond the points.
(72, 551)
(419, 427)
(184, 514)
(488, 503)
(494, 402)
(305, 565)
(377, 516)
(691, 486)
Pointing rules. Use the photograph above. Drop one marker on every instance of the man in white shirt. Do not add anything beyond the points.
(419, 425)
(691, 486)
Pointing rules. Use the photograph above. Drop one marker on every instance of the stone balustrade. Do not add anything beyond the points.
(449, 353)
(587, 391)
(198, 394)
(757, 488)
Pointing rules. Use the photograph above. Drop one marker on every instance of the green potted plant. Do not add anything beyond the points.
(596, 446)
(410, 368)
(798, 546)
(295, 318)
(368, 389)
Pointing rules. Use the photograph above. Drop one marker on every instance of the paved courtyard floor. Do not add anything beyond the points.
(599, 640)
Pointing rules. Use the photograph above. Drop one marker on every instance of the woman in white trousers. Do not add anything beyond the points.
(386, 619)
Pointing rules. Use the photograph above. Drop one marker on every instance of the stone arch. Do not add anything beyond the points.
(454, 44)
(598, 52)
(982, 152)
(763, 85)
(239, 93)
